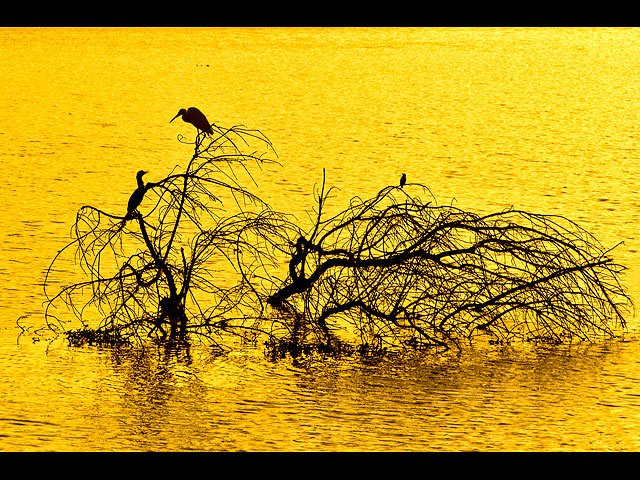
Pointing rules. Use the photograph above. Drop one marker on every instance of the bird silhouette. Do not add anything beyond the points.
(196, 118)
(136, 197)
(403, 180)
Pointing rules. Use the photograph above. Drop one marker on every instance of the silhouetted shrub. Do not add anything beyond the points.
(202, 256)
(402, 271)
(155, 271)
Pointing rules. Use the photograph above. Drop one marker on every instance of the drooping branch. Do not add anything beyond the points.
(203, 255)
(143, 272)
(438, 274)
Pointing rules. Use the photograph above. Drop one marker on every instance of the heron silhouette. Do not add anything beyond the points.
(136, 197)
(403, 180)
(196, 118)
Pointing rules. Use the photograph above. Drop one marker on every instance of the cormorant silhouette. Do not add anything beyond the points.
(403, 180)
(196, 118)
(136, 197)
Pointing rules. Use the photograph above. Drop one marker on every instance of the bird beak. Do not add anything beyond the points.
(174, 117)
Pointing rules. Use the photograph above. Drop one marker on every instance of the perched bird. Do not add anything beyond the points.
(403, 180)
(136, 197)
(196, 118)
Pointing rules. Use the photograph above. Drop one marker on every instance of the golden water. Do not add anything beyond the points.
(541, 119)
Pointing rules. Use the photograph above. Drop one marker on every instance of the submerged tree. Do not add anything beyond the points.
(159, 269)
(402, 271)
(197, 255)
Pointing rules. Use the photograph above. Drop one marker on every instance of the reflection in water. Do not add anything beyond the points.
(153, 380)
(582, 397)
(487, 399)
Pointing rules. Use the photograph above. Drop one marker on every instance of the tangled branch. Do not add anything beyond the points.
(404, 271)
(197, 255)
(150, 271)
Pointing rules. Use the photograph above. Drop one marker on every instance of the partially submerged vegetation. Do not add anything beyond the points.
(201, 260)
(402, 271)
(156, 271)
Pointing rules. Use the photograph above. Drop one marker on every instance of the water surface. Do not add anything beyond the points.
(541, 119)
